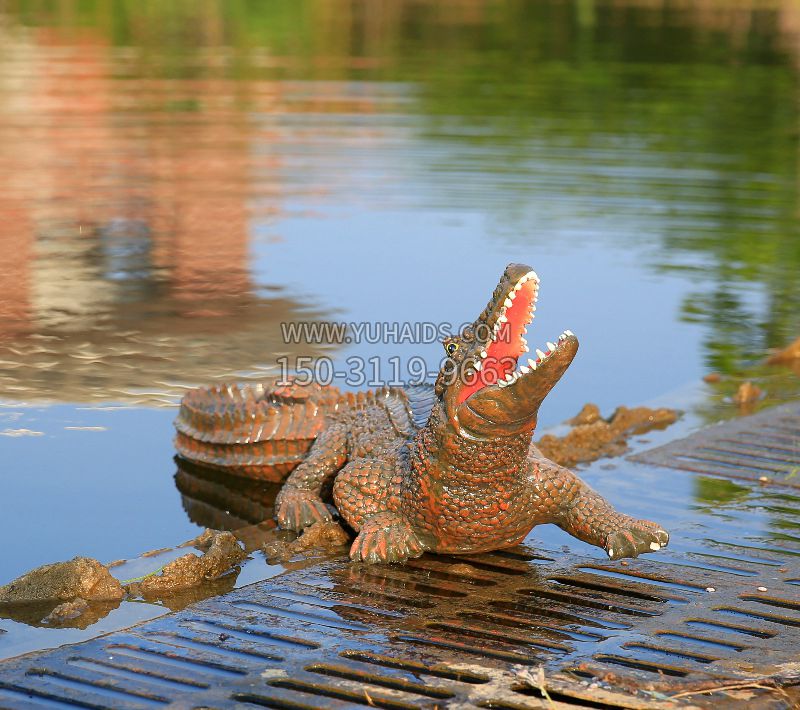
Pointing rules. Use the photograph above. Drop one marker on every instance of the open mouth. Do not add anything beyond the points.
(502, 361)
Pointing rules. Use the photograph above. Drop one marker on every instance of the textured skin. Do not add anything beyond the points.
(404, 496)
(252, 431)
(466, 478)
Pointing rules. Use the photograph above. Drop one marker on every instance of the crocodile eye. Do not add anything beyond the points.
(450, 348)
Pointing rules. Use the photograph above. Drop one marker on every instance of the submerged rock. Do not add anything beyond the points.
(67, 612)
(327, 536)
(222, 553)
(747, 393)
(81, 577)
(788, 354)
(593, 437)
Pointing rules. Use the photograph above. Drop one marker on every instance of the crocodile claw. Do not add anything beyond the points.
(296, 509)
(635, 538)
(385, 538)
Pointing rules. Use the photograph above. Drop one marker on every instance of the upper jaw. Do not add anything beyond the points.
(499, 382)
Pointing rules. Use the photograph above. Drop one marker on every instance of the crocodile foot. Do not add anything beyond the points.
(633, 537)
(297, 508)
(386, 537)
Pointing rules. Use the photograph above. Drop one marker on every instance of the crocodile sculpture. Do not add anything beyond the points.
(450, 469)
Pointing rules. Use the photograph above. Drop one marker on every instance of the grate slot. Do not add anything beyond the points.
(774, 618)
(455, 582)
(502, 705)
(641, 665)
(500, 637)
(414, 667)
(632, 574)
(587, 602)
(521, 555)
(555, 696)
(249, 633)
(598, 586)
(752, 454)
(732, 628)
(765, 435)
(304, 616)
(385, 580)
(507, 620)
(466, 648)
(703, 640)
(54, 700)
(134, 683)
(487, 563)
(334, 607)
(401, 684)
(171, 658)
(771, 601)
(762, 444)
(277, 703)
(582, 620)
(17, 700)
(735, 571)
(761, 548)
(102, 687)
(137, 672)
(713, 463)
(668, 651)
(366, 590)
(735, 558)
(192, 642)
(363, 698)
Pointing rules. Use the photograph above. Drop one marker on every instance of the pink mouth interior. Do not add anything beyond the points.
(503, 351)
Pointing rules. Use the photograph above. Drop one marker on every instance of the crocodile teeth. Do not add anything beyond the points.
(551, 347)
(502, 383)
(524, 370)
(502, 318)
(532, 363)
(510, 378)
(569, 333)
(478, 364)
(507, 303)
(540, 354)
(483, 353)
(512, 295)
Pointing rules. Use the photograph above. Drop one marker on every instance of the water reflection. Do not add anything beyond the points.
(153, 160)
(126, 244)
(215, 499)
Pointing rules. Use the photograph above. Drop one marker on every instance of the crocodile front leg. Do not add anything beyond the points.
(367, 496)
(299, 503)
(588, 516)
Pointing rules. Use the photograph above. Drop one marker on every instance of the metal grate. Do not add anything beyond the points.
(468, 631)
(764, 447)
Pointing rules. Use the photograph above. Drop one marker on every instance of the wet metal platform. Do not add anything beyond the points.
(764, 447)
(712, 620)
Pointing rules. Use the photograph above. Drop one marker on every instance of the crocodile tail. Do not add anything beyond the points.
(256, 431)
